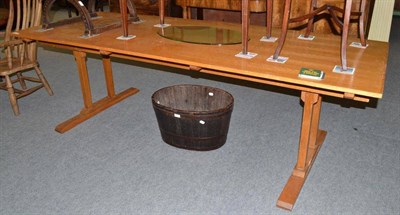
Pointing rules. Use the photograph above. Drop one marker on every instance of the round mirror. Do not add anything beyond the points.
(202, 35)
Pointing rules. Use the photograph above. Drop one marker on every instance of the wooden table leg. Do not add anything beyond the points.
(89, 108)
(189, 12)
(184, 10)
(311, 139)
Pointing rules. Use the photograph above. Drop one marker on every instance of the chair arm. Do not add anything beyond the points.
(11, 43)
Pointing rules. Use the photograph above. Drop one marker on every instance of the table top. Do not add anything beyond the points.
(323, 53)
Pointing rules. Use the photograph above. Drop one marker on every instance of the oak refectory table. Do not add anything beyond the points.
(365, 84)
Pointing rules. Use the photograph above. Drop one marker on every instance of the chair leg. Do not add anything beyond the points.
(345, 32)
(285, 26)
(43, 80)
(69, 9)
(361, 21)
(12, 96)
(21, 81)
(269, 17)
(310, 24)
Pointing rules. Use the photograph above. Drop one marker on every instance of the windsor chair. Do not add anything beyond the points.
(20, 55)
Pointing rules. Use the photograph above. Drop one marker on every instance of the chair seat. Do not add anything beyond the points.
(16, 66)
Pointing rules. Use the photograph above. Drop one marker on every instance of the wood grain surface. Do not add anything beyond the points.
(322, 54)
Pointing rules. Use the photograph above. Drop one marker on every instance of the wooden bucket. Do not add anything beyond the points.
(193, 117)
